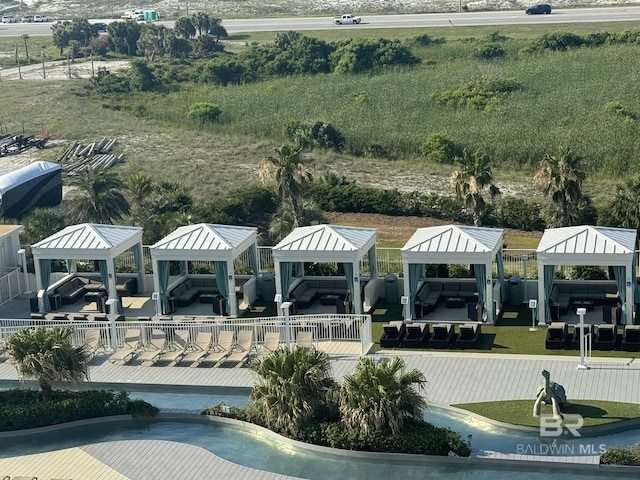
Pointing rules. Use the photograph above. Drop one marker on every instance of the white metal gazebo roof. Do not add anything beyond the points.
(587, 245)
(453, 244)
(88, 241)
(325, 243)
(205, 241)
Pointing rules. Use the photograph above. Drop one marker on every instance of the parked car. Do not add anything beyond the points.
(9, 19)
(100, 27)
(27, 19)
(40, 18)
(540, 9)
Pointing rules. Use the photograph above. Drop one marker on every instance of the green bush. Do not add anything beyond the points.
(622, 456)
(483, 93)
(22, 409)
(204, 112)
(419, 438)
(488, 51)
(558, 41)
(518, 213)
(587, 272)
(438, 148)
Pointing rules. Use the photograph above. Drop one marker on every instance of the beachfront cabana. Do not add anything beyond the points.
(346, 246)
(220, 244)
(88, 241)
(455, 244)
(587, 245)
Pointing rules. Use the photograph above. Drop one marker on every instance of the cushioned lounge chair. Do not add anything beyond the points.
(631, 338)
(305, 340)
(129, 348)
(241, 349)
(177, 348)
(222, 348)
(154, 349)
(393, 334)
(270, 345)
(575, 338)
(91, 342)
(556, 336)
(606, 337)
(469, 335)
(442, 336)
(197, 350)
(416, 336)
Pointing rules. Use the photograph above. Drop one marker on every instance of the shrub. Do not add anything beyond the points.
(416, 438)
(204, 112)
(316, 135)
(22, 409)
(520, 214)
(483, 93)
(622, 456)
(438, 148)
(424, 40)
(559, 41)
(488, 51)
(587, 272)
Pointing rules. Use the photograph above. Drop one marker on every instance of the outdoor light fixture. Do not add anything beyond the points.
(582, 312)
(404, 300)
(533, 304)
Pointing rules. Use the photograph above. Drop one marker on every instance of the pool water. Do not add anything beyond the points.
(253, 449)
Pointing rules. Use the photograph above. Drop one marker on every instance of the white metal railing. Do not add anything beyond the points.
(10, 284)
(325, 328)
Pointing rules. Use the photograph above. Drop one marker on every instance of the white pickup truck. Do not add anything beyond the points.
(347, 20)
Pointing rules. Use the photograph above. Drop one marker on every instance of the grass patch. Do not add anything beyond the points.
(519, 412)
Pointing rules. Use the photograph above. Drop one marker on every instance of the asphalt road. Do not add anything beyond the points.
(511, 17)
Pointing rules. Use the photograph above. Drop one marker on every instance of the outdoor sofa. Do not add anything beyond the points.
(308, 291)
(76, 287)
(190, 290)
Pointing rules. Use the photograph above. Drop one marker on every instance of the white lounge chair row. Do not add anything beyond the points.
(228, 348)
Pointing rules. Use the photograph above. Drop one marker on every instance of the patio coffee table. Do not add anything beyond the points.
(329, 299)
(588, 304)
(454, 302)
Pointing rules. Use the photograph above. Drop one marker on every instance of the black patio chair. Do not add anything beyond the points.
(393, 334)
(577, 331)
(556, 336)
(606, 337)
(631, 338)
(442, 335)
(417, 334)
(469, 335)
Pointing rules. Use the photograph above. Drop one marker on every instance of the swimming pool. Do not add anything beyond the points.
(257, 450)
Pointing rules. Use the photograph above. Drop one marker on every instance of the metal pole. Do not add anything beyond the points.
(287, 334)
(582, 312)
(525, 259)
(533, 304)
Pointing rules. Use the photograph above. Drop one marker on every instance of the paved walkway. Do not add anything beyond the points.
(453, 378)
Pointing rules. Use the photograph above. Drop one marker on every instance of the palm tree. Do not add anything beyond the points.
(624, 209)
(47, 355)
(290, 174)
(40, 223)
(140, 186)
(470, 181)
(282, 222)
(292, 390)
(561, 177)
(381, 395)
(97, 197)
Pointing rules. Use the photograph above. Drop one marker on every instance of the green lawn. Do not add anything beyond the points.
(510, 335)
(520, 412)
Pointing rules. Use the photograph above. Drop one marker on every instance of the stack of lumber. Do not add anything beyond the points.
(76, 157)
